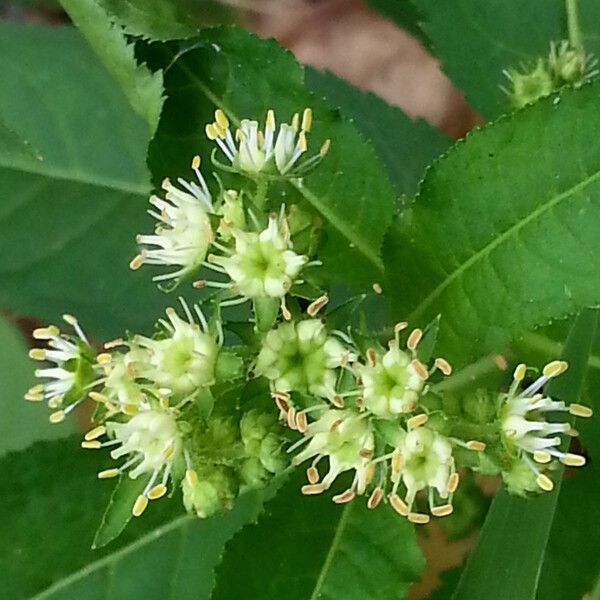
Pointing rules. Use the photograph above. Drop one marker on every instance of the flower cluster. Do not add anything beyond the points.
(184, 408)
(564, 65)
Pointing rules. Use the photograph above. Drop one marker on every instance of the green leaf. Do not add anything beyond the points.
(507, 560)
(118, 510)
(50, 501)
(323, 550)
(69, 219)
(246, 76)
(152, 19)
(404, 146)
(142, 88)
(500, 34)
(22, 422)
(12, 145)
(495, 246)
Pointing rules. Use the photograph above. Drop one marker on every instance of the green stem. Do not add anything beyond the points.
(575, 37)
(260, 198)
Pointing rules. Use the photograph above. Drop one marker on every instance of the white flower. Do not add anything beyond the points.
(150, 442)
(525, 429)
(346, 439)
(183, 361)
(262, 151)
(393, 383)
(261, 265)
(571, 65)
(75, 371)
(301, 356)
(184, 233)
(423, 461)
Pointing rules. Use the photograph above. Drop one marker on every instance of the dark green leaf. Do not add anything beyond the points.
(118, 510)
(247, 76)
(495, 246)
(403, 145)
(507, 560)
(152, 19)
(310, 548)
(499, 34)
(50, 502)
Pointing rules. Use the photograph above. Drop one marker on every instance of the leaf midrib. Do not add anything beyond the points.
(498, 240)
(108, 560)
(335, 542)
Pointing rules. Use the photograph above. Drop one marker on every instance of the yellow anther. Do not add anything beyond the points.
(377, 288)
(301, 422)
(211, 131)
(344, 497)
(169, 451)
(369, 473)
(95, 433)
(270, 121)
(371, 357)
(114, 343)
(302, 143)
(418, 518)
(571, 432)
(453, 482)
(291, 417)
(196, 162)
(325, 148)
(108, 474)
(545, 482)
(442, 511)
(573, 460)
(398, 504)
(520, 372)
(221, 131)
(476, 445)
(97, 397)
(158, 491)
(375, 498)
(140, 506)
(420, 369)
(396, 462)
(260, 136)
(555, 368)
(312, 475)
(91, 445)
(35, 394)
(443, 365)
(55, 402)
(37, 354)
(46, 333)
(541, 457)
(315, 306)
(165, 184)
(295, 121)
(338, 401)
(416, 421)
(221, 119)
(136, 262)
(239, 135)
(307, 117)
(579, 410)
(131, 409)
(70, 319)
(104, 358)
(413, 339)
(312, 489)
(57, 417)
(191, 477)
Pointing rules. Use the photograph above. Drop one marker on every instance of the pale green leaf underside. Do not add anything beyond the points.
(69, 216)
(499, 34)
(323, 552)
(142, 88)
(505, 231)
